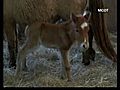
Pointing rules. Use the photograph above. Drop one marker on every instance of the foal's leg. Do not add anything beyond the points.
(89, 54)
(66, 63)
(21, 34)
(21, 58)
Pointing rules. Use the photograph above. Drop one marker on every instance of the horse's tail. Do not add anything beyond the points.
(99, 30)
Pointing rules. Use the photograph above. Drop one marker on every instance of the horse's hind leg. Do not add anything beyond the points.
(21, 33)
(89, 54)
(21, 61)
(21, 58)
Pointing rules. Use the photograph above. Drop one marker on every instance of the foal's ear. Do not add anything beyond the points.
(73, 18)
(87, 15)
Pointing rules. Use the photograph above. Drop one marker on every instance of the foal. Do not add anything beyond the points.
(60, 36)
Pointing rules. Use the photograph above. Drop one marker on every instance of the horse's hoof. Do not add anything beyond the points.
(92, 54)
(69, 80)
(24, 68)
(88, 55)
(86, 64)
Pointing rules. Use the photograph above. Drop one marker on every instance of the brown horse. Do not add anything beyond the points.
(60, 36)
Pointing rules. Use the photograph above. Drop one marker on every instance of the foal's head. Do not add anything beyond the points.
(82, 28)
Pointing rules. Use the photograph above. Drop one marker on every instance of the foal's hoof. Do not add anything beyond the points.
(17, 74)
(25, 68)
(69, 80)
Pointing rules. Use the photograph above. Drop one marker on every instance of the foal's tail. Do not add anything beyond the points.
(99, 30)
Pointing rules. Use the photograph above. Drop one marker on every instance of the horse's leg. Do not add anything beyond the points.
(9, 28)
(63, 76)
(66, 64)
(26, 48)
(89, 54)
(21, 59)
(91, 51)
(21, 33)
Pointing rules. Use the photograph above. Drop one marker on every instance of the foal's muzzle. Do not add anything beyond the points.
(84, 47)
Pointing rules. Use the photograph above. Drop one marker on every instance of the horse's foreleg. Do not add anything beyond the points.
(9, 29)
(89, 54)
(90, 50)
(66, 64)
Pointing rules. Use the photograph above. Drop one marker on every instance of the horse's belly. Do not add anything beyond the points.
(55, 42)
(51, 43)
